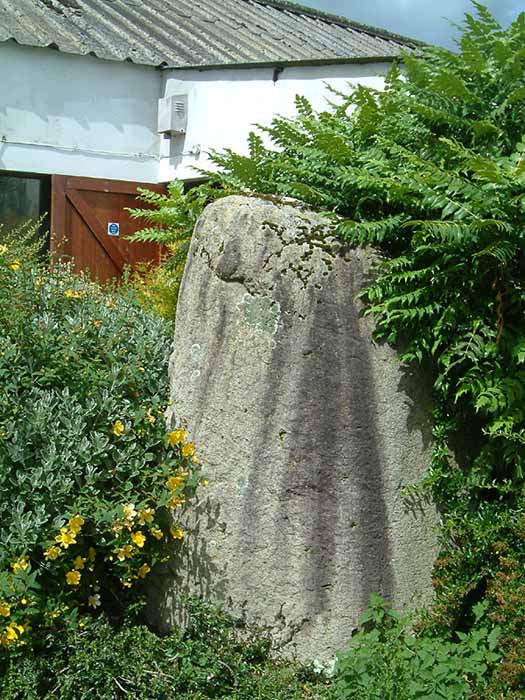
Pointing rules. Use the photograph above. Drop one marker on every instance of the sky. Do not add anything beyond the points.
(428, 20)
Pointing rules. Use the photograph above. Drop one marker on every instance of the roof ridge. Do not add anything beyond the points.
(297, 8)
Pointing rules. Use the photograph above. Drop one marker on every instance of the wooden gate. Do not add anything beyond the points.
(89, 224)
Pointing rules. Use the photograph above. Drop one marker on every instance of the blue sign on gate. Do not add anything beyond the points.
(113, 229)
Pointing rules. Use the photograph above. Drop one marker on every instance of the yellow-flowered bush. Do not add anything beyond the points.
(91, 482)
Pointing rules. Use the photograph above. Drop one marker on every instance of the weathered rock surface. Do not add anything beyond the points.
(307, 431)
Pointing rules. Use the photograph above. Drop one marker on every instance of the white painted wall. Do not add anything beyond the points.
(77, 115)
(80, 115)
(225, 104)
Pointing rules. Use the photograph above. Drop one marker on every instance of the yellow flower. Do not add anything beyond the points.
(79, 562)
(143, 571)
(146, 515)
(72, 294)
(188, 450)
(157, 533)
(138, 538)
(20, 565)
(75, 523)
(52, 553)
(204, 482)
(66, 537)
(94, 601)
(124, 552)
(92, 554)
(5, 609)
(73, 578)
(13, 631)
(150, 417)
(177, 437)
(3, 249)
(129, 511)
(174, 482)
(176, 501)
(118, 428)
(177, 533)
(15, 265)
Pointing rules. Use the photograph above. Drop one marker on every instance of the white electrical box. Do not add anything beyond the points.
(173, 114)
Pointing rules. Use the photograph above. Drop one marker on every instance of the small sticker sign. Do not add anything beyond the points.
(113, 229)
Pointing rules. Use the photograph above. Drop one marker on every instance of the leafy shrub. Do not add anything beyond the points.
(89, 478)
(211, 659)
(157, 288)
(172, 218)
(388, 662)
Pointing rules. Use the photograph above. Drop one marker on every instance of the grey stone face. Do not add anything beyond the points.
(307, 431)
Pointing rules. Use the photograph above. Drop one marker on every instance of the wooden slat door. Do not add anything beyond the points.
(81, 210)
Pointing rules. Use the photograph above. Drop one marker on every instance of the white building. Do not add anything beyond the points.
(86, 88)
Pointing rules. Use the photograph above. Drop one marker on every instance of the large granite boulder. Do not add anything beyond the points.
(307, 431)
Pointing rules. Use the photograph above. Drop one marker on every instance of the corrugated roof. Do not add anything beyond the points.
(195, 33)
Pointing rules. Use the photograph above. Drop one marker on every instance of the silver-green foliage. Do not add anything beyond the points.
(83, 391)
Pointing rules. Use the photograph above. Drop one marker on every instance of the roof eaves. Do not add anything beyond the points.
(288, 64)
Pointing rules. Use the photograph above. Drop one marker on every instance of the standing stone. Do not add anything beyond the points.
(307, 431)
